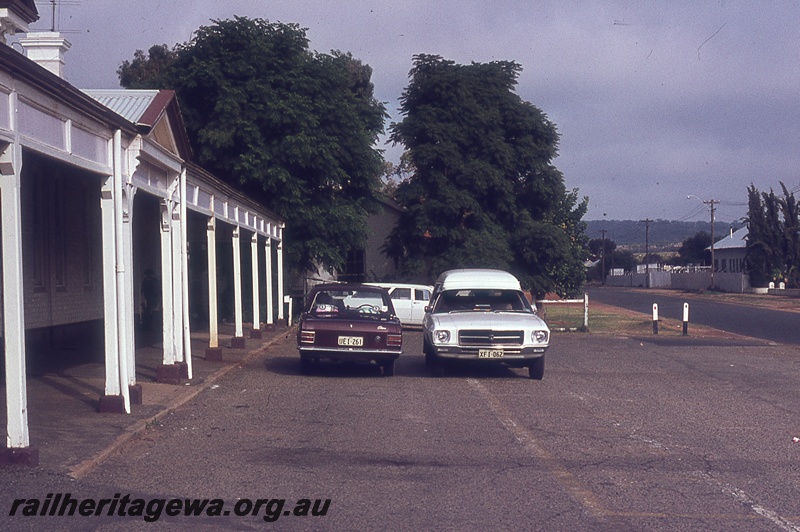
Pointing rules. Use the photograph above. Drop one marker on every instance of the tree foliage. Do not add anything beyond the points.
(693, 250)
(147, 71)
(773, 239)
(483, 192)
(596, 247)
(293, 128)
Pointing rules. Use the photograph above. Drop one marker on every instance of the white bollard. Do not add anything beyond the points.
(655, 318)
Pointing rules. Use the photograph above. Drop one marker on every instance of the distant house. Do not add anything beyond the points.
(370, 263)
(729, 252)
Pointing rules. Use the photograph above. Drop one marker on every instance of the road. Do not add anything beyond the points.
(756, 322)
(621, 434)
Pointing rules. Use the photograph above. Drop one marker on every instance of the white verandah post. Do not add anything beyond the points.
(268, 280)
(177, 283)
(256, 300)
(17, 438)
(213, 313)
(168, 337)
(123, 276)
(184, 264)
(280, 280)
(112, 384)
(237, 283)
(130, 311)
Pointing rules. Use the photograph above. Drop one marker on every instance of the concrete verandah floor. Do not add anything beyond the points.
(63, 419)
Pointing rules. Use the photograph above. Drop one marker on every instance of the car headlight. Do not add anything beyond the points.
(442, 336)
(539, 337)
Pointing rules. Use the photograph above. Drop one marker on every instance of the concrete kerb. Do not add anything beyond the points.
(87, 466)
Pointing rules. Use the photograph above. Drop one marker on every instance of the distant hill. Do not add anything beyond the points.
(664, 234)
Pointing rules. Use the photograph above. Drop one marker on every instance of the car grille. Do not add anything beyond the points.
(481, 337)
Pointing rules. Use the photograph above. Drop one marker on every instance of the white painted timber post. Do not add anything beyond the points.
(184, 262)
(122, 277)
(13, 299)
(213, 325)
(177, 283)
(130, 311)
(237, 283)
(112, 385)
(256, 299)
(280, 280)
(268, 280)
(168, 323)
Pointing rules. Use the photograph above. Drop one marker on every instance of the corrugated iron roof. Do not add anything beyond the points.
(737, 240)
(130, 104)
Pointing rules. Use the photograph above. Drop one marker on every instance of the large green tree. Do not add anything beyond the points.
(484, 191)
(772, 239)
(295, 129)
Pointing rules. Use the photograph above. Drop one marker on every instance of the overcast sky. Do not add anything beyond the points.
(654, 101)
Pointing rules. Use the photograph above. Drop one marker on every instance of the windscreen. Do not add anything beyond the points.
(481, 300)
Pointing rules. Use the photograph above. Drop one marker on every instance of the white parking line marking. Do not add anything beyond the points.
(566, 479)
(743, 498)
(588, 499)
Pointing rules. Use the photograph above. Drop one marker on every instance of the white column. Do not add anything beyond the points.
(280, 279)
(123, 277)
(187, 333)
(168, 323)
(268, 258)
(237, 283)
(130, 317)
(213, 319)
(256, 300)
(13, 300)
(177, 283)
(112, 384)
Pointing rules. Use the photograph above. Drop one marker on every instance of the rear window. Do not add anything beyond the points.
(339, 301)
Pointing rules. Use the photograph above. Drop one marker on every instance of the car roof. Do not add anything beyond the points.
(477, 279)
(346, 286)
(389, 286)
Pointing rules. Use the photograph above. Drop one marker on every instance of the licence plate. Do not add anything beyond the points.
(490, 353)
(353, 341)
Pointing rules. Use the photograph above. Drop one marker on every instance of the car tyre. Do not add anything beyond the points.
(388, 368)
(536, 368)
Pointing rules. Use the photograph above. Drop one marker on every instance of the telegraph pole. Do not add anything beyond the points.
(711, 204)
(712, 207)
(603, 264)
(647, 222)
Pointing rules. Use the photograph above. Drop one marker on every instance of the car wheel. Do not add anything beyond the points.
(536, 368)
(388, 369)
(305, 365)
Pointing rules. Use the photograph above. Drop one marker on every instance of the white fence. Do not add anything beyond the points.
(727, 282)
(585, 301)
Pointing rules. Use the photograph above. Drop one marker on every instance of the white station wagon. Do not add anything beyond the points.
(483, 316)
(409, 300)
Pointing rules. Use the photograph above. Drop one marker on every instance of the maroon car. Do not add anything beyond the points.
(349, 323)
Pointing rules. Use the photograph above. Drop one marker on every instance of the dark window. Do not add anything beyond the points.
(355, 268)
